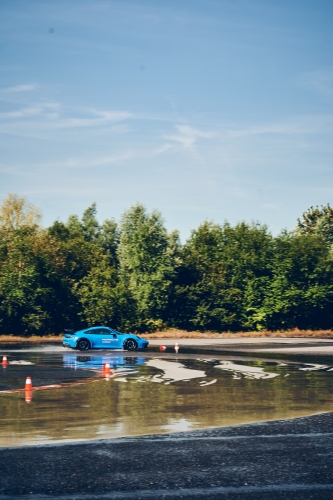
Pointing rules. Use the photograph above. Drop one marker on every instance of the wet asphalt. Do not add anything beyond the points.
(290, 459)
(14, 377)
(287, 459)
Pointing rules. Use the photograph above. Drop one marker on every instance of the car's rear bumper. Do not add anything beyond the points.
(67, 344)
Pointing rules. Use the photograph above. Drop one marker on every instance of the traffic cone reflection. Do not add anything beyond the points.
(28, 396)
(4, 361)
(106, 368)
(107, 371)
(162, 348)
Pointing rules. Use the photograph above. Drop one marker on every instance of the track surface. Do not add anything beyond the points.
(288, 459)
(14, 376)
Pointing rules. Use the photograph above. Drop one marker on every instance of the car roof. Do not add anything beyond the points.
(94, 328)
(97, 327)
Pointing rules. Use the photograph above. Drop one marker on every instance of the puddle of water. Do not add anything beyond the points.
(253, 372)
(13, 377)
(154, 395)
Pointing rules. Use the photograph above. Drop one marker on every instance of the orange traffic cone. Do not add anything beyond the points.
(106, 368)
(162, 348)
(28, 384)
(4, 361)
(28, 396)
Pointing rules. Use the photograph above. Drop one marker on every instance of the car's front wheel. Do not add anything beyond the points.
(83, 344)
(130, 345)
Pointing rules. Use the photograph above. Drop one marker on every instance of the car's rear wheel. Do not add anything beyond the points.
(130, 345)
(83, 344)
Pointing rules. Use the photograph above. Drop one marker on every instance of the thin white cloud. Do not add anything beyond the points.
(161, 150)
(20, 88)
(96, 118)
(309, 124)
(39, 118)
(84, 162)
(69, 163)
(187, 136)
(21, 113)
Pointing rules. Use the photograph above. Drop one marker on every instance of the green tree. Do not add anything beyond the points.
(90, 226)
(31, 290)
(317, 221)
(88, 253)
(16, 213)
(145, 265)
(219, 266)
(300, 291)
(139, 276)
(97, 292)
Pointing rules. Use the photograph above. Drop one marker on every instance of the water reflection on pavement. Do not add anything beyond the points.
(152, 394)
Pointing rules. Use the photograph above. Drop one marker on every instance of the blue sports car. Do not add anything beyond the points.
(102, 337)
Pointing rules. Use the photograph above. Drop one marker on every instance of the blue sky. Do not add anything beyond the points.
(218, 110)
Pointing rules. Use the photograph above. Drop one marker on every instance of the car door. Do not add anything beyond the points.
(109, 339)
(94, 337)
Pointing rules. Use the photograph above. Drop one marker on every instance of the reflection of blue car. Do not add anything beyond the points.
(96, 362)
(103, 337)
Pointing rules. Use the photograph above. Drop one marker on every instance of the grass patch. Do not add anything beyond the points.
(33, 339)
(294, 333)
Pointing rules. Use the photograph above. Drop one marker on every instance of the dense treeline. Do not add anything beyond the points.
(136, 276)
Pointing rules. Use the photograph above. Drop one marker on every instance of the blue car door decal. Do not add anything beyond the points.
(96, 337)
(109, 339)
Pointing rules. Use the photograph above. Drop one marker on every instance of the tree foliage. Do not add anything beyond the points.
(145, 265)
(17, 213)
(317, 221)
(137, 276)
(220, 266)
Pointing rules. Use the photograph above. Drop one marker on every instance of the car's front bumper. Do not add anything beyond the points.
(143, 345)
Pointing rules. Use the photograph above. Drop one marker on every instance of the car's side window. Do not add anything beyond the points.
(104, 331)
(101, 331)
(95, 331)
